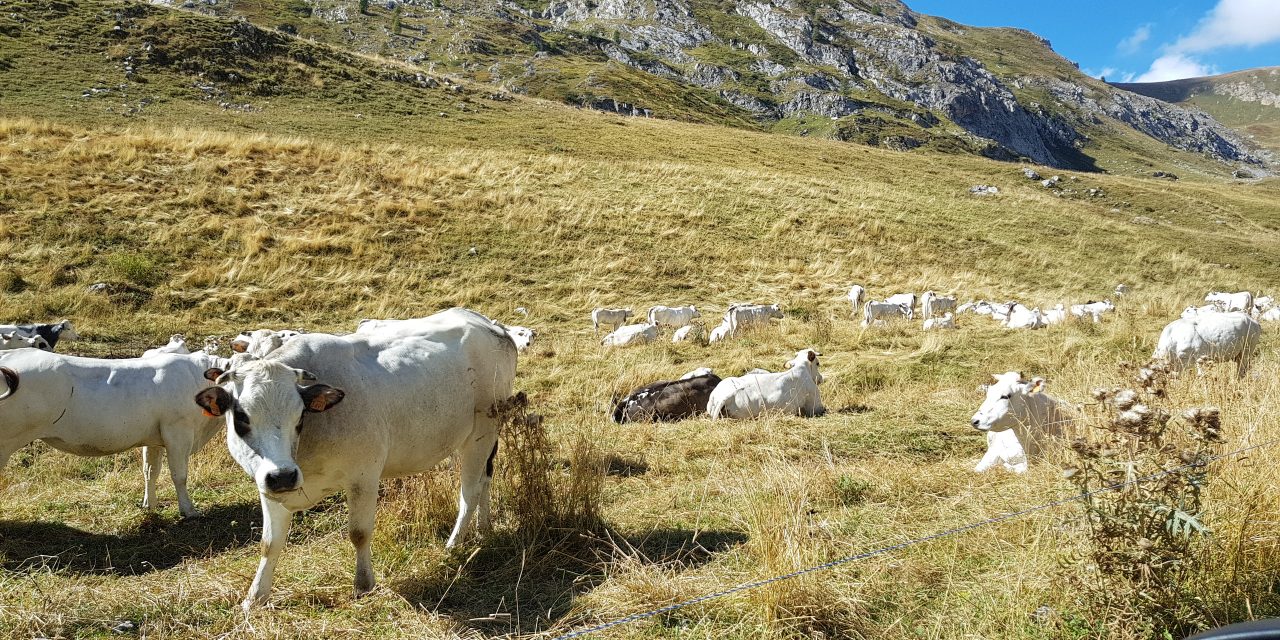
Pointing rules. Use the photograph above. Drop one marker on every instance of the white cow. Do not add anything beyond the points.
(1056, 315)
(16, 340)
(1271, 315)
(719, 333)
(408, 400)
(1215, 336)
(697, 373)
(1239, 301)
(945, 321)
(1015, 406)
(631, 334)
(612, 318)
(906, 299)
(522, 336)
(979, 307)
(95, 407)
(878, 312)
(260, 342)
(744, 316)
(791, 392)
(51, 332)
(1020, 317)
(672, 316)
(857, 295)
(1262, 304)
(177, 344)
(1001, 312)
(933, 305)
(689, 332)
(1093, 310)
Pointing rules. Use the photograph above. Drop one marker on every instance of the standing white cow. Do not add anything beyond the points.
(907, 300)
(877, 313)
(791, 392)
(933, 305)
(744, 316)
(96, 407)
(1215, 336)
(1239, 301)
(522, 336)
(1013, 405)
(631, 334)
(857, 295)
(672, 316)
(409, 398)
(612, 318)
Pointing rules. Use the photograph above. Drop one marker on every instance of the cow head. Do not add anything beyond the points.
(807, 358)
(263, 402)
(1005, 402)
(66, 331)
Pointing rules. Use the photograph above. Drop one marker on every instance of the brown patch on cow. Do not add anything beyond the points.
(358, 538)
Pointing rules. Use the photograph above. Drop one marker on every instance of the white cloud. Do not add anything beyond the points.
(1113, 74)
(1175, 66)
(1233, 23)
(1135, 40)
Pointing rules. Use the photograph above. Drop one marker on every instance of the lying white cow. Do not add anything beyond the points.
(15, 340)
(1056, 315)
(697, 373)
(791, 392)
(408, 401)
(719, 333)
(933, 305)
(1239, 301)
(612, 318)
(177, 344)
(1020, 317)
(1262, 304)
(631, 334)
(1271, 315)
(877, 313)
(945, 321)
(689, 333)
(672, 316)
(1215, 336)
(857, 296)
(522, 336)
(95, 407)
(1093, 310)
(1015, 406)
(51, 332)
(260, 342)
(744, 316)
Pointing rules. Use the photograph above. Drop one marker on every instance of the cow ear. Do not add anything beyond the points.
(239, 346)
(319, 398)
(215, 401)
(211, 374)
(1037, 385)
(813, 355)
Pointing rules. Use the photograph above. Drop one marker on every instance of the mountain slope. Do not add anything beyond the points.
(1246, 100)
(870, 71)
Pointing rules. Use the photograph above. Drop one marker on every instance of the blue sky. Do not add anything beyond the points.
(1137, 40)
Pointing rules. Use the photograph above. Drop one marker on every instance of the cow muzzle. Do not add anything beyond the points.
(283, 480)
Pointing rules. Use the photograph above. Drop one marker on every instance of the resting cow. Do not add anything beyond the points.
(666, 400)
(1015, 406)
(791, 392)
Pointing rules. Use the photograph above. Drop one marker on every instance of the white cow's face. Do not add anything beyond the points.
(809, 356)
(264, 404)
(1005, 402)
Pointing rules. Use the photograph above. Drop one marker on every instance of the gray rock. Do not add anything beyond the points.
(1030, 174)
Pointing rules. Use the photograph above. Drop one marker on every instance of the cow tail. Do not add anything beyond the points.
(10, 379)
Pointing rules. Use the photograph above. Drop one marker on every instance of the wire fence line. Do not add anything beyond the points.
(747, 586)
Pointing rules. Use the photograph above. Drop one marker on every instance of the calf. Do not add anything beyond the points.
(672, 316)
(791, 392)
(857, 295)
(631, 334)
(612, 318)
(1193, 311)
(1271, 315)
(1015, 406)
(95, 407)
(933, 306)
(400, 403)
(667, 400)
(51, 333)
(906, 299)
(719, 333)
(1215, 336)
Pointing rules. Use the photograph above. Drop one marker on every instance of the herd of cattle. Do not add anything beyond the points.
(416, 391)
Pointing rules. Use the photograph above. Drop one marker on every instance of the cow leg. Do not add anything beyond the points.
(477, 472)
(362, 505)
(988, 460)
(152, 458)
(275, 530)
(178, 447)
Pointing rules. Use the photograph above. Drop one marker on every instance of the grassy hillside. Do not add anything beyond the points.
(1219, 96)
(342, 194)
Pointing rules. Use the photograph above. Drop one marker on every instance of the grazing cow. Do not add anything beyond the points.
(857, 295)
(1092, 309)
(700, 371)
(1013, 405)
(177, 344)
(689, 332)
(878, 312)
(744, 316)
(95, 407)
(672, 316)
(720, 332)
(791, 392)
(945, 321)
(933, 306)
(260, 342)
(667, 400)
(408, 400)
(522, 336)
(16, 340)
(1239, 301)
(1020, 317)
(1215, 336)
(1271, 315)
(631, 334)
(51, 333)
(612, 318)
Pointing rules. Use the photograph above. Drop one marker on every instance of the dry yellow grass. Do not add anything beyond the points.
(218, 232)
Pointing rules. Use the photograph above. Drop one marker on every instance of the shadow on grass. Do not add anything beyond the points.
(29, 547)
(514, 585)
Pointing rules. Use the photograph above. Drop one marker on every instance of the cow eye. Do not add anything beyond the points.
(1005, 397)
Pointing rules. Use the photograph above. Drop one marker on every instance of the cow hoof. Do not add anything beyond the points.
(194, 514)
